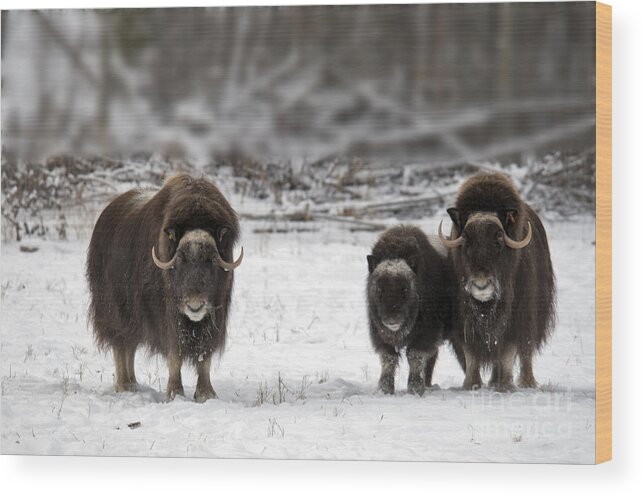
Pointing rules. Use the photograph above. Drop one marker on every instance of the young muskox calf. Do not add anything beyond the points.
(159, 277)
(409, 304)
(506, 292)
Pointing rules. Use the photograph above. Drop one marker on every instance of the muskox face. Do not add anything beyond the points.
(393, 295)
(483, 252)
(195, 277)
(196, 271)
(483, 258)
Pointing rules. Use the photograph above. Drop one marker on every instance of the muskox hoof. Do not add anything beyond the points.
(387, 385)
(416, 386)
(172, 392)
(471, 385)
(127, 387)
(203, 395)
(529, 383)
(505, 387)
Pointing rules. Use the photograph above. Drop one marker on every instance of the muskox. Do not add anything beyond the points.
(409, 296)
(159, 277)
(505, 282)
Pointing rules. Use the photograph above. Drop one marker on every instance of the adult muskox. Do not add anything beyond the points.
(506, 287)
(159, 277)
(409, 293)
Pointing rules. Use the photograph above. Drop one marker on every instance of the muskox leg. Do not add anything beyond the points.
(130, 353)
(428, 369)
(120, 363)
(495, 374)
(388, 360)
(503, 369)
(459, 354)
(174, 383)
(417, 360)
(526, 379)
(204, 389)
(472, 379)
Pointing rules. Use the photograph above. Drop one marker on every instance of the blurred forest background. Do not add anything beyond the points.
(311, 103)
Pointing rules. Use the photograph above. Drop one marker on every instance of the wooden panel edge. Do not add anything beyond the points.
(603, 232)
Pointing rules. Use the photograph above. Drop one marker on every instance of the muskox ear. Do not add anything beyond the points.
(454, 213)
(508, 216)
(371, 263)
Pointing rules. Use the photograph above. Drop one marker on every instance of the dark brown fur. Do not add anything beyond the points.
(425, 309)
(134, 303)
(522, 316)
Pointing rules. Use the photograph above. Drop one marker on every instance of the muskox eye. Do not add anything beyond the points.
(405, 291)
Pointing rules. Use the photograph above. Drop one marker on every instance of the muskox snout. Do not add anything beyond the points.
(393, 320)
(194, 308)
(392, 324)
(481, 284)
(482, 288)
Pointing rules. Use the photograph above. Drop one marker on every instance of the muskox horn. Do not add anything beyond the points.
(449, 243)
(163, 265)
(519, 244)
(227, 266)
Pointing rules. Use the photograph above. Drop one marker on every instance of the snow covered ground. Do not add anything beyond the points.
(298, 378)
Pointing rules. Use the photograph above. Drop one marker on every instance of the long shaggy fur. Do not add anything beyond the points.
(434, 288)
(525, 314)
(132, 300)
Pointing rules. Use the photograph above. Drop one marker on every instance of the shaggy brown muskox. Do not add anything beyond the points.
(409, 293)
(506, 289)
(159, 278)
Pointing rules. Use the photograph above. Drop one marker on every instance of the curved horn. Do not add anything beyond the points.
(227, 266)
(163, 265)
(449, 243)
(519, 244)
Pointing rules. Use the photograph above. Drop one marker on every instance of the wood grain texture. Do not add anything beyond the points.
(603, 232)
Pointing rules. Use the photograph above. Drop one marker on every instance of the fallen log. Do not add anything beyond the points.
(312, 216)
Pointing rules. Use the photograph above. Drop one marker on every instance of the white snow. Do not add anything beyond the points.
(298, 378)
